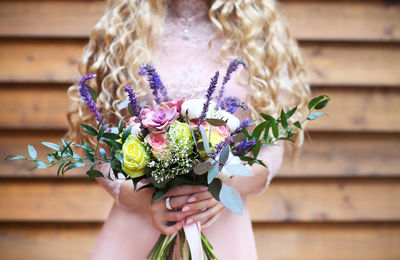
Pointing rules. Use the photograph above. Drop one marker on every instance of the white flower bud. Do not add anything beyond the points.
(231, 121)
(192, 108)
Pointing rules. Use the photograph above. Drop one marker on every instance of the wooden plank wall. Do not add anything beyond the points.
(341, 201)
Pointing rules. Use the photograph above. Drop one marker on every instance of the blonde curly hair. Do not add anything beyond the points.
(126, 36)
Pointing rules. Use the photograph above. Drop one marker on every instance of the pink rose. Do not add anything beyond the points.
(222, 130)
(157, 141)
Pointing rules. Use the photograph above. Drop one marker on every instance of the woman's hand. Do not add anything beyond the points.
(203, 208)
(179, 196)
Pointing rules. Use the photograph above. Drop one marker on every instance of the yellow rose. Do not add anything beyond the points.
(215, 138)
(135, 157)
(181, 137)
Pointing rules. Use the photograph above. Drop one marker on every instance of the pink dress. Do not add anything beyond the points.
(185, 65)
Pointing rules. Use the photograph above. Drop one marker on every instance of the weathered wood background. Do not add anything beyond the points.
(341, 201)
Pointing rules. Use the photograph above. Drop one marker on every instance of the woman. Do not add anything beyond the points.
(187, 41)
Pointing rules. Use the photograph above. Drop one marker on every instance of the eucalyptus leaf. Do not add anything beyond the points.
(32, 152)
(231, 199)
(89, 129)
(212, 173)
(120, 158)
(51, 146)
(224, 154)
(204, 138)
(238, 170)
(239, 137)
(75, 165)
(216, 122)
(215, 187)
(123, 104)
(202, 168)
(315, 115)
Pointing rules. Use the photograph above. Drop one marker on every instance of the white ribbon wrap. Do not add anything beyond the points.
(193, 236)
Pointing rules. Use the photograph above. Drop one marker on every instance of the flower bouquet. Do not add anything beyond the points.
(197, 141)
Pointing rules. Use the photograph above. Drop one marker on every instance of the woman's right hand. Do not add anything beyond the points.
(179, 196)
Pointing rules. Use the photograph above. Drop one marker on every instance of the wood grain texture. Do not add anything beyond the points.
(323, 155)
(351, 109)
(308, 20)
(346, 64)
(285, 200)
(350, 241)
(294, 241)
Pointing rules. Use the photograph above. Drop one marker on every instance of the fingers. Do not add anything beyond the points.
(204, 216)
(197, 206)
(179, 201)
(200, 196)
(185, 190)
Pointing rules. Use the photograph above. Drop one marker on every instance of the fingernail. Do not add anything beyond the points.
(184, 209)
(203, 188)
(192, 199)
(189, 221)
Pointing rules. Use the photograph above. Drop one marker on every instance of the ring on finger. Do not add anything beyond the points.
(168, 203)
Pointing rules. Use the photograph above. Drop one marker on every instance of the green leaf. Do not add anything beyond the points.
(258, 130)
(32, 152)
(202, 168)
(89, 156)
(66, 147)
(215, 122)
(314, 101)
(215, 187)
(111, 136)
(59, 168)
(224, 154)
(290, 112)
(103, 153)
(113, 144)
(41, 165)
(275, 130)
(315, 115)
(89, 129)
(85, 146)
(256, 149)
(94, 174)
(92, 93)
(212, 173)
(121, 125)
(231, 199)
(50, 158)
(322, 104)
(120, 158)
(51, 146)
(101, 133)
(75, 165)
(101, 120)
(204, 138)
(267, 117)
(245, 132)
(298, 125)
(14, 157)
(284, 119)
(238, 170)
(126, 133)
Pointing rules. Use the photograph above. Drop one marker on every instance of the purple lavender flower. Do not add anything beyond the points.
(231, 68)
(132, 100)
(218, 148)
(87, 98)
(231, 104)
(245, 123)
(244, 146)
(210, 92)
(159, 91)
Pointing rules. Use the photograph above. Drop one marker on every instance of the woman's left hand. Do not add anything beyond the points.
(205, 208)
